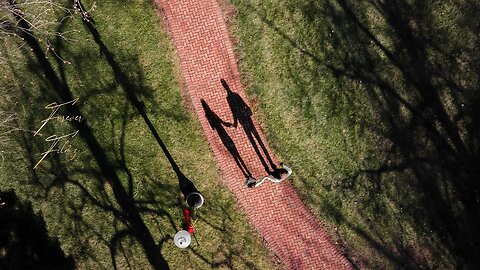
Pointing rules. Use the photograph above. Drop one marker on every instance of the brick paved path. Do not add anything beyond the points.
(281, 219)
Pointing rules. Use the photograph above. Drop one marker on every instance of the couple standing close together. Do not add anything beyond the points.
(243, 114)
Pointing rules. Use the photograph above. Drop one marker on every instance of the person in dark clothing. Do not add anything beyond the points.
(278, 175)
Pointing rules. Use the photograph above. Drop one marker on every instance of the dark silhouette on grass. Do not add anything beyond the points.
(243, 114)
(24, 240)
(217, 124)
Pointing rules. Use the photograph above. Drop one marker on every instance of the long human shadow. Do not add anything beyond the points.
(217, 124)
(129, 213)
(24, 239)
(186, 185)
(424, 95)
(242, 114)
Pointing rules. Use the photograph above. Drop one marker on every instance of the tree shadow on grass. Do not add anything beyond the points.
(127, 212)
(230, 253)
(414, 66)
(24, 240)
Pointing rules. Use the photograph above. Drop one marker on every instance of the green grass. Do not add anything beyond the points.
(373, 106)
(82, 218)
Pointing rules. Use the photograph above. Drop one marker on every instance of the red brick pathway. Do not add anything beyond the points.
(275, 210)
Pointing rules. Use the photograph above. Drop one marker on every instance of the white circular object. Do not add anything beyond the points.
(197, 204)
(182, 239)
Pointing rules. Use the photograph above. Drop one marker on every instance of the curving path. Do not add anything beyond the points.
(206, 55)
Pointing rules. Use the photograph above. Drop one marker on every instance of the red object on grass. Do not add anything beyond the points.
(190, 228)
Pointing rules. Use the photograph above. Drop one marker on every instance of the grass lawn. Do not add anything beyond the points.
(374, 104)
(113, 190)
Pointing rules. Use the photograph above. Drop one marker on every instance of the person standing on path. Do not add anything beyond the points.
(243, 114)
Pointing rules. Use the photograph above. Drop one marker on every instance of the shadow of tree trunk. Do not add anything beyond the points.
(129, 212)
(186, 185)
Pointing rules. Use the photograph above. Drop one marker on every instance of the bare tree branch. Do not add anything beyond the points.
(42, 17)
